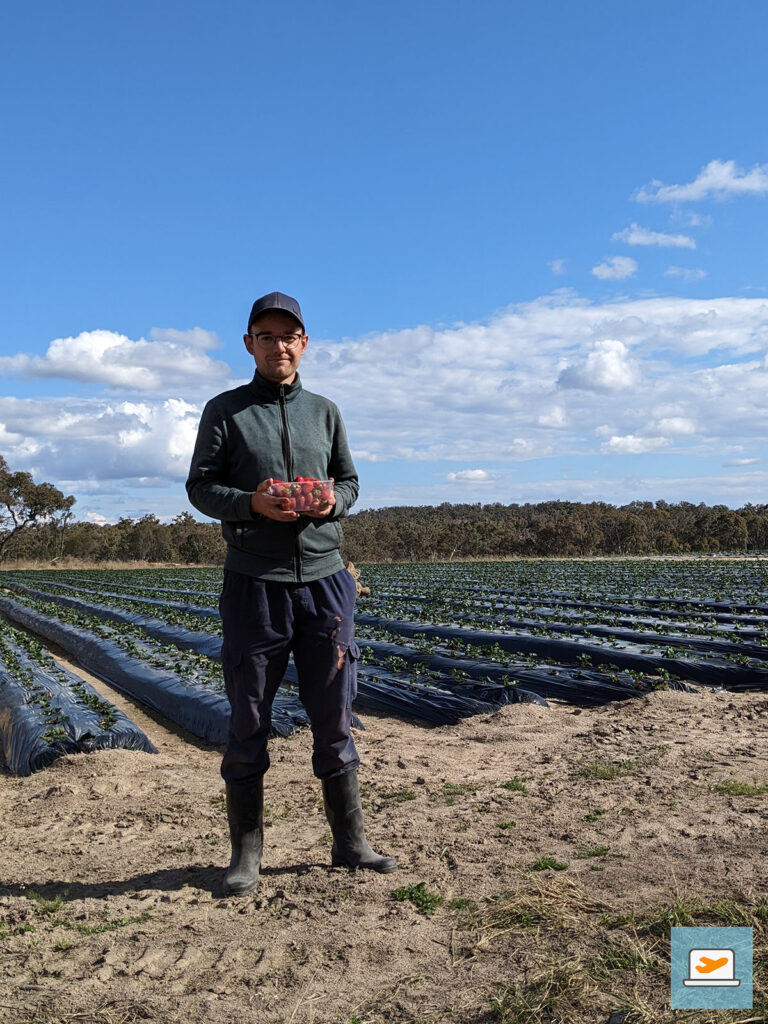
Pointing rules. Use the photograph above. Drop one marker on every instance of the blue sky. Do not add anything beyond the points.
(528, 240)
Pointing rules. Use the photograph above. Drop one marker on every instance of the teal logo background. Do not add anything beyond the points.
(711, 997)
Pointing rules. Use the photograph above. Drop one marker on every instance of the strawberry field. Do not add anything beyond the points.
(438, 641)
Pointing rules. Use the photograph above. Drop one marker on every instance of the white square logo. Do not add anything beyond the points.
(711, 967)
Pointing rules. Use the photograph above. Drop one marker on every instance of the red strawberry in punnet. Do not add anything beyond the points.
(305, 493)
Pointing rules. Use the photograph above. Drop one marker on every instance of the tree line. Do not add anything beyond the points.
(551, 528)
(420, 533)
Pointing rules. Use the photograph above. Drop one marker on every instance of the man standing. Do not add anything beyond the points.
(285, 586)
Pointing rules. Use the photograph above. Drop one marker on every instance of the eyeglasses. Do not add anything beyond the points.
(266, 340)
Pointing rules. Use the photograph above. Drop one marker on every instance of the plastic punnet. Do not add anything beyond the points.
(304, 494)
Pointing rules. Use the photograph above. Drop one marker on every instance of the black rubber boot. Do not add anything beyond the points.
(341, 797)
(245, 810)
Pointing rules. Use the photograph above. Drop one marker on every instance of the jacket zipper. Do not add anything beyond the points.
(288, 459)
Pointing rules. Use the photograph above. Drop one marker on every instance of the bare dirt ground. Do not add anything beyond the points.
(111, 909)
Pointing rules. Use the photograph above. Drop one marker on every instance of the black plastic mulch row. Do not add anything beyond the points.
(179, 636)
(434, 705)
(580, 686)
(716, 674)
(25, 723)
(653, 602)
(583, 690)
(157, 602)
(102, 584)
(546, 604)
(636, 636)
(190, 705)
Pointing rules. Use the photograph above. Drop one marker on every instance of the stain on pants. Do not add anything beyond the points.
(264, 620)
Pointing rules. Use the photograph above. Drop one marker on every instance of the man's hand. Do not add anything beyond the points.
(319, 513)
(279, 508)
(271, 506)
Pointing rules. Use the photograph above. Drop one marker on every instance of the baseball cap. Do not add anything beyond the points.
(275, 300)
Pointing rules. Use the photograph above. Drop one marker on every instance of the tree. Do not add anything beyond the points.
(731, 530)
(25, 504)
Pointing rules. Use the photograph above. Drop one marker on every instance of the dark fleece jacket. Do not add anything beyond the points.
(263, 430)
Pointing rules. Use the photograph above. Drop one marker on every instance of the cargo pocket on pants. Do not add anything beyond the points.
(231, 660)
(353, 657)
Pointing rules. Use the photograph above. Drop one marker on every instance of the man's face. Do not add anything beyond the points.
(279, 362)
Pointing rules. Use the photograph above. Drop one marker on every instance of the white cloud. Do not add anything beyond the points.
(686, 273)
(741, 462)
(720, 179)
(557, 266)
(692, 219)
(9, 439)
(470, 476)
(555, 417)
(608, 484)
(93, 438)
(196, 337)
(631, 444)
(676, 425)
(495, 391)
(617, 268)
(96, 517)
(555, 378)
(635, 235)
(174, 361)
(606, 368)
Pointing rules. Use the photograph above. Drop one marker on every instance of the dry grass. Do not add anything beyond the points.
(572, 950)
(82, 563)
(69, 562)
(110, 1012)
(693, 556)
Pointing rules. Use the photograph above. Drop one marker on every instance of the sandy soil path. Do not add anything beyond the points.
(111, 908)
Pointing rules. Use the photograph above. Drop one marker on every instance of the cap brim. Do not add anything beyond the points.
(275, 309)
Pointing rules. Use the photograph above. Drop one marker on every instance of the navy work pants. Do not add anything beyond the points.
(264, 620)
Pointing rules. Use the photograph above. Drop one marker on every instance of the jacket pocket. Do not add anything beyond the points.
(267, 538)
(319, 537)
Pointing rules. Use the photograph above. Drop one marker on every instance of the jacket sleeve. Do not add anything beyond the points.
(342, 469)
(206, 485)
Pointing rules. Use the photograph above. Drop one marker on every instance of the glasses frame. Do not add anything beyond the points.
(296, 336)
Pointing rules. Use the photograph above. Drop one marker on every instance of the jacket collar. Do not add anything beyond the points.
(268, 391)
